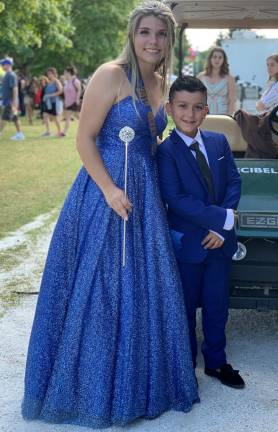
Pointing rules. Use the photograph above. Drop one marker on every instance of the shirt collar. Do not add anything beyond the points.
(188, 140)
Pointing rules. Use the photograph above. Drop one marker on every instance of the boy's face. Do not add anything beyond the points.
(187, 110)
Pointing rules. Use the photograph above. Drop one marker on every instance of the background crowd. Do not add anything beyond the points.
(49, 97)
(58, 98)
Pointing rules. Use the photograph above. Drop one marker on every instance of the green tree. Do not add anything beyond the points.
(30, 27)
(41, 33)
(100, 28)
(200, 61)
(185, 51)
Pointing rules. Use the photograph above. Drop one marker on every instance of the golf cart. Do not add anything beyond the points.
(254, 281)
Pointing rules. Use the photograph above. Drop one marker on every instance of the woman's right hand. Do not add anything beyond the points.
(117, 200)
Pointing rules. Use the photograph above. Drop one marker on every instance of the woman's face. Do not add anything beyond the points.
(150, 40)
(67, 75)
(272, 67)
(50, 75)
(217, 59)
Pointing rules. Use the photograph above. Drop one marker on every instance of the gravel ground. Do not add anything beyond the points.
(252, 347)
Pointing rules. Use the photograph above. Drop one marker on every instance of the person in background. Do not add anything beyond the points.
(2, 73)
(21, 93)
(261, 143)
(10, 99)
(29, 98)
(221, 86)
(269, 98)
(72, 93)
(38, 97)
(53, 105)
(43, 81)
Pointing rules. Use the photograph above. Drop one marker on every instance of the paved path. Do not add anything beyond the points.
(252, 347)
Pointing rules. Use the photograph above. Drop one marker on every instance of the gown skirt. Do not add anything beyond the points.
(110, 344)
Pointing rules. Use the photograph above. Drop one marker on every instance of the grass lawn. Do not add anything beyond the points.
(170, 126)
(35, 174)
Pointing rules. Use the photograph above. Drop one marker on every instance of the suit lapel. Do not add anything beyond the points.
(211, 150)
(184, 152)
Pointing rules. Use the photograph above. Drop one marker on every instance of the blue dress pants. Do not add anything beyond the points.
(206, 284)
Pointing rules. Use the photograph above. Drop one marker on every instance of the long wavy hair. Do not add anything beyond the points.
(52, 70)
(275, 58)
(128, 56)
(224, 70)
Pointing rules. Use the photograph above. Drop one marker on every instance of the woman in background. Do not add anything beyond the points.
(72, 93)
(269, 98)
(261, 143)
(53, 103)
(31, 88)
(221, 86)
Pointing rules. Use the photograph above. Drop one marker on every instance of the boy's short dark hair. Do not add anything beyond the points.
(187, 83)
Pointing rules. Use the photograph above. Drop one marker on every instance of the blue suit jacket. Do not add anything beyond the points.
(183, 188)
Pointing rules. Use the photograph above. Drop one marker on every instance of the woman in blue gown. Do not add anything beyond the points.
(109, 342)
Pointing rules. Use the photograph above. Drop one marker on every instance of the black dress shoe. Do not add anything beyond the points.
(227, 375)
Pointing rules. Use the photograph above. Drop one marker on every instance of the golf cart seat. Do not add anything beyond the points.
(228, 126)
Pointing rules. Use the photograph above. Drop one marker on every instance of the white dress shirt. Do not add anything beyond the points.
(270, 97)
(230, 218)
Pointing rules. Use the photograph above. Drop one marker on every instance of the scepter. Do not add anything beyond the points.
(126, 135)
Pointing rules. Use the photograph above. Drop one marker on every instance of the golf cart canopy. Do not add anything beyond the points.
(226, 13)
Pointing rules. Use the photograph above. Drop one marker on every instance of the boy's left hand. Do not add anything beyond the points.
(212, 241)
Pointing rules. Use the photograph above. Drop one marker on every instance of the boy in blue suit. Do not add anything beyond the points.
(201, 187)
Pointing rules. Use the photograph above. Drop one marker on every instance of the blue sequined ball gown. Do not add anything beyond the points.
(110, 344)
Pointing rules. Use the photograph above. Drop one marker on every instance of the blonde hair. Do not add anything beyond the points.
(128, 56)
(224, 70)
(43, 78)
(275, 58)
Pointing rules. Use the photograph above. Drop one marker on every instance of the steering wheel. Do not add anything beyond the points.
(273, 118)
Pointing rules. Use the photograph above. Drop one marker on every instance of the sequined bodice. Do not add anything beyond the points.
(124, 114)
